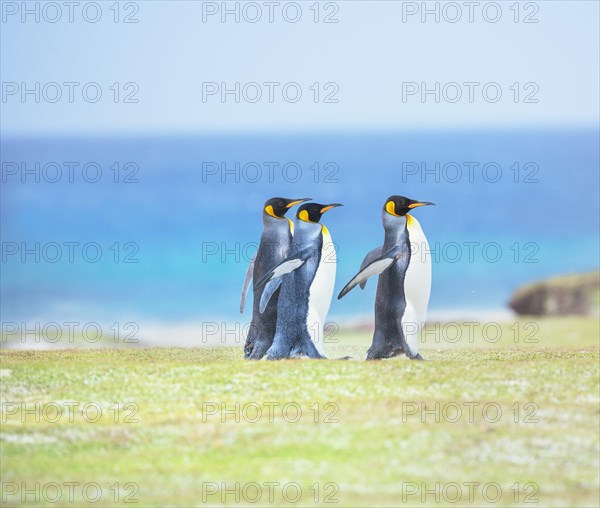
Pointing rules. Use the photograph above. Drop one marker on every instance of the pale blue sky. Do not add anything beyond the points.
(369, 53)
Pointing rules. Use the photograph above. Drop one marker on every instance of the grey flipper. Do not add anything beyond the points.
(273, 278)
(247, 280)
(267, 293)
(375, 267)
(369, 258)
(286, 266)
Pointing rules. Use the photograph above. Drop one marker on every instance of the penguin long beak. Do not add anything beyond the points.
(329, 207)
(297, 202)
(420, 203)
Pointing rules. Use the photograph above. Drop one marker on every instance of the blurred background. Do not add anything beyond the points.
(143, 204)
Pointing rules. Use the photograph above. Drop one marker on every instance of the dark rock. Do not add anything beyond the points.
(569, 295)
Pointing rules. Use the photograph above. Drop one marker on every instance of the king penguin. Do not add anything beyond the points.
(403, 264)
(305, 280)
(274, 246)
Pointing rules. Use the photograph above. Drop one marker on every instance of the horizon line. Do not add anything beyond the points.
(145, 133)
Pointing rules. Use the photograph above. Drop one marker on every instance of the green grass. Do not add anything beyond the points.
(373, 449)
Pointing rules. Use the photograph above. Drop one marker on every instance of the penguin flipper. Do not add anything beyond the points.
(273, 278)
(247, 280)
(379, 265)
(286, 266)
(267, 293)
(369, 258)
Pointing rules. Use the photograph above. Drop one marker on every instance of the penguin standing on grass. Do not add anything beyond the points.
(305, 281)
(403, 264)
(274, 247)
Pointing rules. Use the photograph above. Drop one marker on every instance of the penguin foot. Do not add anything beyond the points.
(248, 351)
(418, 357)
(278, 352)
(344, 358)
(256, 350)
(381, 353)
(307, 351)
(303, 350)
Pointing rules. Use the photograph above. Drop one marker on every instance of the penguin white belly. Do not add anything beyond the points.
(321, 291)
(417, 284)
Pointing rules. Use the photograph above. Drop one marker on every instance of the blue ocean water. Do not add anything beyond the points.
(191, 219)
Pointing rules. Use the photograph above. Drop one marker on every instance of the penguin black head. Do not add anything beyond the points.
(400, 205)
(312, 212)
(278, 207)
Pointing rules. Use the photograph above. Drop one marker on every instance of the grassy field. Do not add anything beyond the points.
(513, 418)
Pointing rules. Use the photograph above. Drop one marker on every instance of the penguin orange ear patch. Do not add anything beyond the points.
(270, 211)
(390, 207)
(303, 215)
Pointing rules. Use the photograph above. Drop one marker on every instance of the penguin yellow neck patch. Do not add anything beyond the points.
(411, 221)
(291, 225)
(391, 208)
